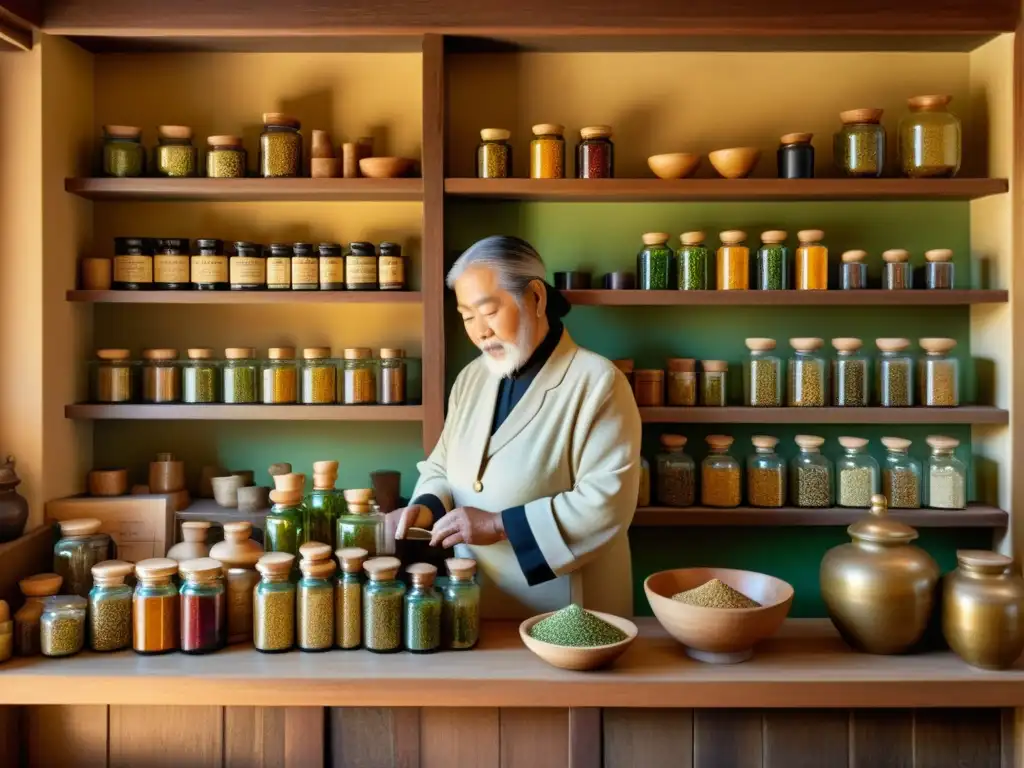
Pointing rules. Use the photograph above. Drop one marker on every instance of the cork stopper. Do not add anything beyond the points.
(290, 483)
(853, 257)
(179, 132)
(382, 568)
(673, 442)
(422, 574)
(895, 256)
(596, 132)
(774, 236)
(719, 442)
(326, 467)
(938, 255)
(315, 551)
(760, 344)
(847, 345)
(548, 129)
(460, 568)
(194, 530)
(732, 236)
(279, 468)
(681, 364)
(937, 346)
(942, 442)
(853, 443)
(358, 495)
(810, 443)
(626, 366)
(495, 134)
(156, 569)
(896, 443)
(764, 443)
(286, 498)
(714, 366)
(42, 584)
(201, 569)
(806, 344)
(224, 142)
(110, 573)
(892, 345)
(796, 138)
(391, 353)
(160, 354)
(358, 509)
(352, 559)
(275, 564)
(864, 115)
(810, 236)
(318, 569)
(655, 238)
(316, 353)
(280, 118)
(239, 353)
(692, 238)
(928, 103)
(122, 131)
(113, 354)
(84, 526)
(200, 353)
(358, 353)
(281, 353)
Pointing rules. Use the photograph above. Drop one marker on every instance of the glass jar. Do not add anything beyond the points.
(171, 265)
(853, 272)
(929, 139)
(811, 474)
(332, 267)
(693, 261)
(161, 376)
(280, 146)
(547, 152)
(26, 620)
(766, 474)
(796, 156)
(595, 154)
(113, 376)
(348, 599)
(382, 605)
(324, 506)
(285, 527)
(240, 376)
(273, 604)
(849, 374)
(896, 272)
(315, 630)
(155, 607)
(460, 612)
(681, 382)
(655, 264)
(857, 474)
(359, 527)
(649, 388)
(643, 493)
(811, 261)
(319, 375)
(279, 376)
(901, 475)
(391, 267)
(279, 267)
(808, 374)
(305, 268)
(773, 262)
(204, 621)
(391, 378)
(247, 267)
(946, 486)
(123, 155)
(895, 374)
(199, 382)
(719, 474)
(714, 389)
(939, 374)
(421, 618)
(62, 625)
(133, 264)
(81, 546)
(859, 146)
(733, 262)
(225, 159)
(938, 269)
(174, 155)
(494, 154)
(210, 266)
(238, 554)
(762, 375)
(361, 267)
(358, 380)
(676, 473)
(110, 606)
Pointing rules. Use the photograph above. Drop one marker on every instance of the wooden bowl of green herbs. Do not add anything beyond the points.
(577, 639)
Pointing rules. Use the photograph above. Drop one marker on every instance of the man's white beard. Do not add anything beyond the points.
(515, 354)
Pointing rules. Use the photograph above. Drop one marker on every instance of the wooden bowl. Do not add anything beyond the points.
(719, 635)
(579, 659)
(674, 165)
(735, 162)
(385, 167)
(108, 482)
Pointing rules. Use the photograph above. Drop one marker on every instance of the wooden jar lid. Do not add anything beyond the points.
(764, 442)
(810, 235)
(495, 134)
(809, 442)
(281, 353)
(84, 526)
(460, 568)
(673, 442)
(156, 568)
(937, 346)
(111, 572)
(732, 236)
(651, 375)
(122, 131)
(280, 118)
(317, 569)
(315, 551)
(681, 364)
(596, 132)
(931, 101)
(41, 585)
(714, 366)
(160, 354)
(896, 443)
(942, 442)
(352, 558)
(692, 238)
(200, 353)
(760, 344)
(797, 138)
(864, 115)
(181, 132)
(422, 574)
(655, 238)
(853, 443)
(391, 353)
(275, 563)
(806, 344)
(774, 236)
(854, 256)
(357, 353)
(895, 255)
(195, 530)
(939, 254)
(847, 344)
(719, 442)
(113, 354)
(382, 568)
(325, 467)
(316, 353)
(201, 568)
(291, 482)
(225, 142)
(546, 129)
(239, 353)
(892, 345)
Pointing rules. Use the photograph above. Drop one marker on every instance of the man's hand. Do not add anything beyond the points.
(399, 521)
(467, 525)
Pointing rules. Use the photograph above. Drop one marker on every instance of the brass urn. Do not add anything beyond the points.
(879, 589)
(983, 610)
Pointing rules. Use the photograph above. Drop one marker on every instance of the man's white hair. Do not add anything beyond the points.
(512, 258)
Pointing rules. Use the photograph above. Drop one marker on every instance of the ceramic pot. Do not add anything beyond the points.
(879, 589)
(253, 498)
(13, 507)
(206, 480)
(225, 490)
(983, 610)
(166, 475)
(238, 553)
(193, 542)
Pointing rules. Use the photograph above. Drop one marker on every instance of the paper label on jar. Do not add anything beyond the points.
(392, 270)
(248, 270)
(361, 270)
(170, 269)
(332, 269)
(305, 270)
(209, 269)
(279, 270)
(133, 269)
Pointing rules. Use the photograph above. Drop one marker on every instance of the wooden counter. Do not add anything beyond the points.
(805, 666)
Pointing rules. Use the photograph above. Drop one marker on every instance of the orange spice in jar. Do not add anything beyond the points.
(155, 607)
(547, 152)
(811, 261)
(733, 262)
(681, 381)
(649, 388)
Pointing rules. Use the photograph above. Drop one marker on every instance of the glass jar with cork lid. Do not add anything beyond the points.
(681, 381)
(110, 606)
(358, 381)
(319, 376)
(859, 146)
(279, 376)
(811, 475)
(392, 376)
(204, 617)
(360, 526)
(348, 598)
(382, 605)
(547, 152)
(732, 262)
(766, 474)
(123, 154)
(655, 264)
(209, 266)
(896, 272)
(938, 269)
(929, 138)
(247, 267)
(676, 473)
(853, 272)
(62, 625)
(240, 376)
(693, 258)
(391, 267)
(155, 607)
(494, 154)
(762, 375)
(285, 526)
(161, 376)
(460, 612)
(895, 373)
(421, 618)
(238, 553)
(649, 387)
(280, 146)
(901, 475)
(315, 598)
(113, 376)
(811, 261)
(713, 383)
(199, 377)
(305, 275)
(26, 619)
(225, 158)
(174, 155)
(324, 505)
(850, 374)
(939, 373)
(361, 267)
(172, 264)
(857, 474)
(946, 475)
(273, 605)
(719, 474)
(595, 154)
(773, 261)
(332, 267)
(81, 546)
(133, 264)
(808, 374)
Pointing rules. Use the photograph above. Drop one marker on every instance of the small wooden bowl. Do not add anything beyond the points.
(719, 635)
(674, 165)
(108, 482)
(579, 659)
(735, 162)
(385, 167)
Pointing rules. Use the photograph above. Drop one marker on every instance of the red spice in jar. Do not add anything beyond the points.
(595, 154)
(203, 622)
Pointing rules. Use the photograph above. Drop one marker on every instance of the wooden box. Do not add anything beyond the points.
(141, 526)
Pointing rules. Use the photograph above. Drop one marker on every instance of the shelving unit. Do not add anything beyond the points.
(172, 412)
(245, 297)
(246, 190)
(965, 414)
(975, 516)
(834, 298)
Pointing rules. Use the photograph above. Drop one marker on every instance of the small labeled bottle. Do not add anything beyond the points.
(811, 261)
(248, 267)
(595, 154)
(110, 606)
(901, 475)
(382, 605)
(280, 146)
(939, 374)
(348, 599)
(693, 258)
(155, 607)
(849, 374)
(808, 374)
(305, 268)
(123, 154)
(209, 270)
(133, 264)
(676, 473)
(161, 376)
(655, 264)
(895, 373)
(358, 384)
(773, 262)
(315, 598)
(240, 376)
(279, 376)
(174, 155)
(26, 620)
(494, 154)
(945, 475)
(720, 474)
(62, 625)
(896, 273)
(714, 390)
(422, 610)
(113, 376)
(361, 267)
(766, 474)
(391, 267)
(796, 156)
(547, 152)
(938, 269)
(81, 546)
(204, 617)
(225, 159)
(360, 527)
(273, 604)
(239, 554)
(332, 267)
(853, 272)
(279, 267)
(171, 265)
(460, 611)
(811, 475)
(857, 474)
(681, 382)
(319, 376)
(733, 262)
(762, 375)
(200, 380)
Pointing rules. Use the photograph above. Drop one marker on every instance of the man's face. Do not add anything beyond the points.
(494, 320)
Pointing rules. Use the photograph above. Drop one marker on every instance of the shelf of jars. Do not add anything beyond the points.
(975, 516)
(163, 412)
(245, 189)
(245, 297)
(787, 298)
(964, 414)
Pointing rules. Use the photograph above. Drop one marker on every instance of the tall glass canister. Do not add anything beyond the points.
(850, 374)
(939, 373)
(324, 505)
(655, 264)
(547, 152)
(421, 621)
(155, 607)
(676, 473)
(285, 525)
(811, 261)
(110, 606)
(382, 605)
(494, 154)
(315, 625)
(945, 476)
(773, 262)
(280, 146)
(79, 548)
(857, 474)
(732, 263)
(766, 474)
(595, 154)
(204, 616)
(895, 374)
(273, 607)
(348, 598)
(693, 258)
(811, 475)
(720, 474)
(859, 146)
(460, 613)
(762, 375)
(808, 374)
(901, 475)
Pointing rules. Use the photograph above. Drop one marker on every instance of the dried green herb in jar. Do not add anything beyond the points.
(655, 264)
(422, 610)
(772, 261)
(62, 626)
(806, 374)
(240, 376)
(382, 615)
(280, 146)
(348, 594)
(199, 377)
(713, 388)
(273, 618)
(225, 158)
(494, 155)
(123, 155)
(316, 603)
(812, 487)
(693, 260)
(174, 155)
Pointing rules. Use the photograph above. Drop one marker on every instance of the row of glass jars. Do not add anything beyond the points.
(175, 155)
(813, 480)
(340, 518)
(595, 153)
(776, 267)
(172, 264)
(242, 378)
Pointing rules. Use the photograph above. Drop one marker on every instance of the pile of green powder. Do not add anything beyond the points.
(576, 628)
(715, 594)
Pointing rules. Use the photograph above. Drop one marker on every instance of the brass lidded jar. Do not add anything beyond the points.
(879, 588)
(983, 609)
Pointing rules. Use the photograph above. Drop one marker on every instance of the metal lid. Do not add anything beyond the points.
(879, 527)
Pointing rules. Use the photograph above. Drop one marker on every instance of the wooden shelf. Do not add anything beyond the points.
(245, 190)
(724, 190)
(965, 414)
(246, 297)
(247, 412)
(861, 298)
(975, 516)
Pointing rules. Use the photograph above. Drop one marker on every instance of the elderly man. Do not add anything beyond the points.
(536, 472)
